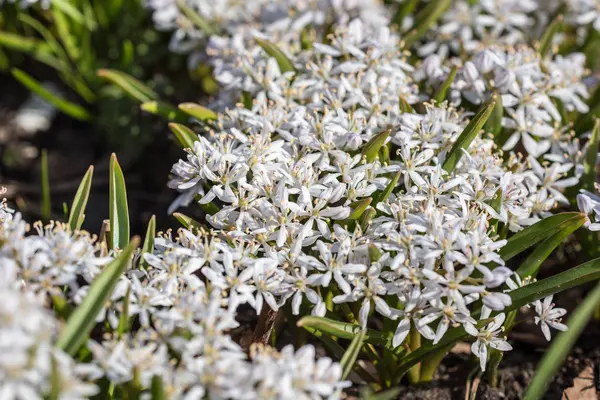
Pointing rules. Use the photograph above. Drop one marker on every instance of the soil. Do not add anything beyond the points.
(72, 146)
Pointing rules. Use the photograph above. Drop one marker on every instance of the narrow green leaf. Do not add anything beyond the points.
(466, 137)
(124, 318)
(71, 109)
(80, 200)
(197, 111)
(187, 222)
(562, 344)
(443, 90)
(46, 206)
(55, 380)
(70, 10)
(133, 87)
(537, 232)
(148, 246)
(343, 330)
(371, 149)
(184, 135)
(359, 208)
(425, 20)
(531, 265)
(83, 318)
(404, 10)
(405, 106)
(165, 110)
(591, 159)
(494, 122)
(285, 64)
(118, 212)
(68, 40)
(366, 218)
(157, 389)
(388, 189)
(196, 18)
(351, 354)
(546, 41)
(24, 44)
(390, 394)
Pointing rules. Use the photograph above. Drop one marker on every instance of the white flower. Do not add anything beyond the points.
(549, 317)
(487, 336)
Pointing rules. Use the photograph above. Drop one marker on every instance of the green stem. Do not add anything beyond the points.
(430, 365)
(414, 341)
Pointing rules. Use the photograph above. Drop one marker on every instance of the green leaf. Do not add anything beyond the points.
(148, 246)
(55, 379)
(196, 18)
(466, 137)
(124, 319)
(83, 318)
(494, 122)
(46, 206)
(546, 41)
(134, 88)
(197, 111)
(71, 109)
(591, 159)
(371, 149)
(388, 189)
(351, 354)
(118, 212)
(343, 330)
(68, 40)
(77, 214)
(405, 106)
(425, 19)
(285, 64)
(407, 8)
(70, 10)
(187, 222)
(537, 232)
(184, 135)
(443, 90)
(562, 344)
(24, 44)
(157, 389)
(358, 208)
(531, 265)
(390, 394)
(165, 110)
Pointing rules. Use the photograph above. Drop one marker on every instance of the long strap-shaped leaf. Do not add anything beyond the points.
(197, 111)
(184, 135)
(83, 318)
(67, 107)
(343, 330)
(546, 41)
(148, 246)
(134, 88)
(371, 149)
(77, 213)
(537, 232)
(466, 137)
(561, 346)
(443, 90)
(532, 264)
(119, 212)
(425, 19)
(351, 354)
(285, 64)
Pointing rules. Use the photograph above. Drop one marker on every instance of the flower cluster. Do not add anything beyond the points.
(178, 318)
(469, 27)
(316, 219)
(228, 25)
